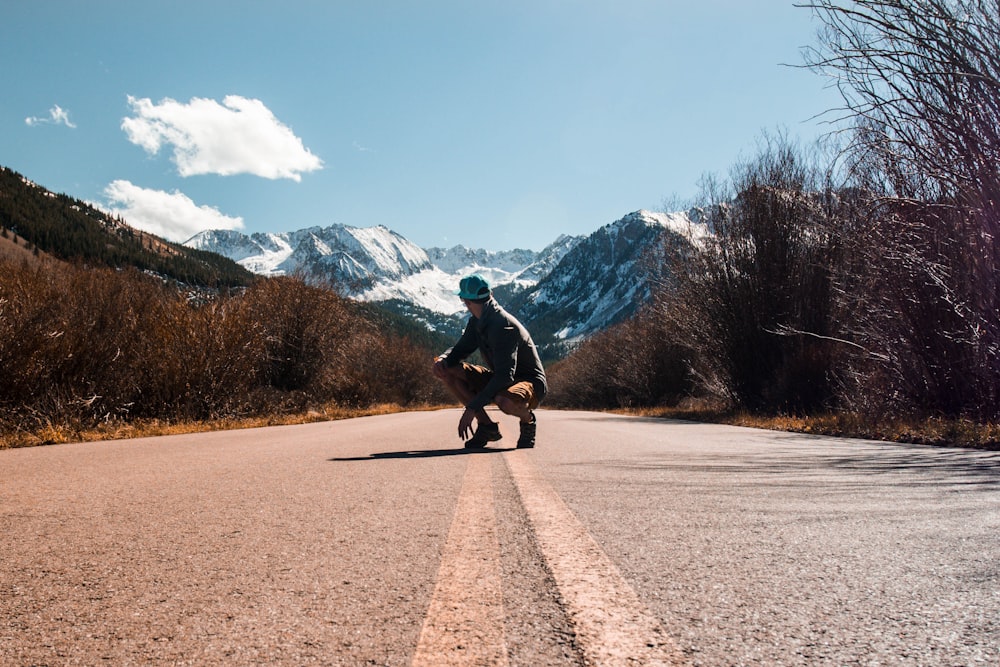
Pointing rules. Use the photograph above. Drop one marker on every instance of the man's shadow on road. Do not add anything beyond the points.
(421, 454)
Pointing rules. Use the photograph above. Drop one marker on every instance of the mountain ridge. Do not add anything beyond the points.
(574, 287)
(71, 230)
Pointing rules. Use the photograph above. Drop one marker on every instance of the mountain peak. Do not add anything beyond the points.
(602, 279)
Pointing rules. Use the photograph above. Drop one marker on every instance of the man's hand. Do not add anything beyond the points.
(439, 368)
(465, 424)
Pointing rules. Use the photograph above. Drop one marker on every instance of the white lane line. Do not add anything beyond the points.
(465, 620)
(613, 627)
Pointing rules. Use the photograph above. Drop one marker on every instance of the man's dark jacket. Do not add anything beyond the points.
(506, 347)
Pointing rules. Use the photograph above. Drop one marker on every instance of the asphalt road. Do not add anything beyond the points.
(616, 541)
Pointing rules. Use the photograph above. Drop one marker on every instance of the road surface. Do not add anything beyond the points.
(618, 540)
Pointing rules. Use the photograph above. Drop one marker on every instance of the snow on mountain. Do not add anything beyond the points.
(237, 246)
(434, 288)
(602, 279)
(339, 252)
(377, 264)
(459, 257)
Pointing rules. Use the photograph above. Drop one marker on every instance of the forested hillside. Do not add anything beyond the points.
(74, 231)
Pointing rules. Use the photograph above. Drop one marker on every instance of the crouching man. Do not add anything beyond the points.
(514, 378)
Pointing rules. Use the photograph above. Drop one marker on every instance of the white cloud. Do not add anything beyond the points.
(57, 116)
(239, 136)
(171, 215)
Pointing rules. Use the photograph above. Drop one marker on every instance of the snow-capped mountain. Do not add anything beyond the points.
(377, 264)
(604, 278)
(347, 255)
(574, 287)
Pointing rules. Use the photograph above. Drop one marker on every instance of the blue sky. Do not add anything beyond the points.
(487, 124)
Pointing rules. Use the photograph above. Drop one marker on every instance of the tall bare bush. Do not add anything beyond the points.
(83, 343)
(754, 300)
(921, 85)
(636, 363)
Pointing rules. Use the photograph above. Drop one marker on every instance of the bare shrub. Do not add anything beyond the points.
(636, 363)
(755, 300)
(316, 346)
(402, 372)
(921, 84)
(83, 343)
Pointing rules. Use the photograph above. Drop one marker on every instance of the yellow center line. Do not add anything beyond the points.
(465, 620)
(612, 625)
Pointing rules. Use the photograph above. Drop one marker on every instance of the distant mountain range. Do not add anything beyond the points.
(574, 287)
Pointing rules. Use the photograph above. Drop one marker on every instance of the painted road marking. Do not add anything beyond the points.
(465, 620)
(613, 627)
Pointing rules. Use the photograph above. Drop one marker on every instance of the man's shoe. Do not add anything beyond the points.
(485, 433)
(527, 438)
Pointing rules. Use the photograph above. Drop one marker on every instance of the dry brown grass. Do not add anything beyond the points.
(18, 251)
(939, 432)
(63, 434)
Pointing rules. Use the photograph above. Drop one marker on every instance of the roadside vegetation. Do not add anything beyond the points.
(855, 291)
(96, 352)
